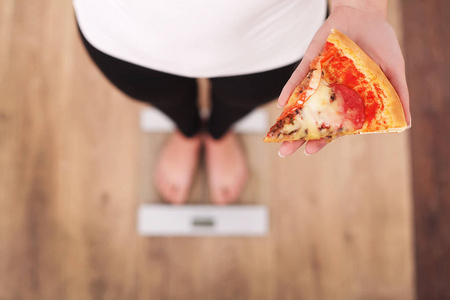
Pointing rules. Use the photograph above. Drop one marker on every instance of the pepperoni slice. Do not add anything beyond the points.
(353, 105)
(304, 90)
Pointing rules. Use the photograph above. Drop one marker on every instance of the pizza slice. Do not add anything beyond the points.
(345, 92)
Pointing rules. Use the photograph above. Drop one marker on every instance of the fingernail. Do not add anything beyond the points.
(410, 122)
(281, 155)
(279, 106)
(307, 154)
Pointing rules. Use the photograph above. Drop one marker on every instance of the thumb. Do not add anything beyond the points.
(312, 51)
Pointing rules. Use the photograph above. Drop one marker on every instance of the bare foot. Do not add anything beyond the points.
(227, 168)
(176, 167)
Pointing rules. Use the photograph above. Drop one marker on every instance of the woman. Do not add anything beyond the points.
(153, 51)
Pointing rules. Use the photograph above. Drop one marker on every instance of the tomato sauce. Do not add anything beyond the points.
(341, 70)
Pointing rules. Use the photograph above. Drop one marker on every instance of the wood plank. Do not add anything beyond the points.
(32, 244)
(67, 208)
(427, 40)
(100, 184)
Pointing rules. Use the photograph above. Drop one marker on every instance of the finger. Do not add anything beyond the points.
(397, 76)
(287, 148)
(314, 146)
(312, 51)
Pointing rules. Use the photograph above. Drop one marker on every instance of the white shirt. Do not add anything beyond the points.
(202, 38)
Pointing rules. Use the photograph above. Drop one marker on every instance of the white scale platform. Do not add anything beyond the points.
(202, 220)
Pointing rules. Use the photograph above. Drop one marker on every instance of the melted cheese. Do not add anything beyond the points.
(319, 110)
(295, 125)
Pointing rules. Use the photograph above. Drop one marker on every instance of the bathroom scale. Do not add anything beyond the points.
(199, 219)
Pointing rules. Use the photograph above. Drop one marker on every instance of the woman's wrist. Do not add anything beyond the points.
(377, 7)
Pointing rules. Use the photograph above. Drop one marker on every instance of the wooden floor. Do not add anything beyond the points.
(71, 156)
(427, 52)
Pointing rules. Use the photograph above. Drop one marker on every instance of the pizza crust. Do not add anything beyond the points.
(368, 67)
(274, 140)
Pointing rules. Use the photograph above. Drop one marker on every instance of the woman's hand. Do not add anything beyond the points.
(364, 22)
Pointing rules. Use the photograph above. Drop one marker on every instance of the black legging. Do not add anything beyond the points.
(232, 97)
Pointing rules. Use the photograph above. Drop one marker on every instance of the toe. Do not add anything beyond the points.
(219, 195)
(159, 183)
(167, 190)
(175, 195)
(236, 188)
(229, 194)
